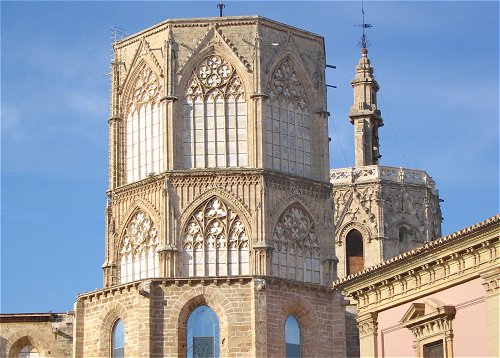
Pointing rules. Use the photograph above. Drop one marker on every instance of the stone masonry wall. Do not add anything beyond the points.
(50, 334)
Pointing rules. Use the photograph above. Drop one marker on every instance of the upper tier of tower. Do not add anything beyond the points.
(364, 114)
(218, 93)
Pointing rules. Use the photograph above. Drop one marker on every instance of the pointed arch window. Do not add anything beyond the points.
(144, 134)
(28, 351)
(288, 123)
(405, 239)
(354, 252)
(215, 242)
(292, 338)
(215, 117)
(139, 258)
(118, 340)
(203, 333)
(296, 254)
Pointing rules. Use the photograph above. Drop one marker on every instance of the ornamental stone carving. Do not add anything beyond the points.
(146, 87)
(214, 76)
(295, 229)
(141, 230)
(286, 85)
(215, 225)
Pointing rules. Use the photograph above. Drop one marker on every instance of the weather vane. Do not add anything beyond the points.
(364, 43)
(221, 6)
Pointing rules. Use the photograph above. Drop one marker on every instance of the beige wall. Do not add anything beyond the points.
(50, 334)
(252, 314)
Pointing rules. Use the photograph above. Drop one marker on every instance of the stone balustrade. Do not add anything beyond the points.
(371, 173)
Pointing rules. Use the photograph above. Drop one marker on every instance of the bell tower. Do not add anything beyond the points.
(380, 211)
(364, 114)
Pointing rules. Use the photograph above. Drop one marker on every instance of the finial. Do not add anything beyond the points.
(220, 6)
(364, 43)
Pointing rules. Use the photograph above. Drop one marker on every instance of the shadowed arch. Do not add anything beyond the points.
(296, 253)
(300, 70)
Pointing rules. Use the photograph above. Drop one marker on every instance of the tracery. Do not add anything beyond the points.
(296, 246)
(139, 258)
(144, 126)
(215, 117)
(215, 242)
(288, 130)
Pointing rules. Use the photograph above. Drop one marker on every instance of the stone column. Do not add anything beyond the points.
(368, 334)
(491, 283)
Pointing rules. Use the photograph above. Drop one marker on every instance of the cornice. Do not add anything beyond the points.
(220, 22)
(194, 282)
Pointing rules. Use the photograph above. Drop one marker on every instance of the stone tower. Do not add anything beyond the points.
(380, 211)
(219, 195)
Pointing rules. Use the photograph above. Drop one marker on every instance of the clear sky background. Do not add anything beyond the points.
(437, 64)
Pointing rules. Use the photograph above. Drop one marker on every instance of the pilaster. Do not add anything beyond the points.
(492, 286)
(368, 334)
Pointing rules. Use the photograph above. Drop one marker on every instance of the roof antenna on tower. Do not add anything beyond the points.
(221, 6)
(364, 43)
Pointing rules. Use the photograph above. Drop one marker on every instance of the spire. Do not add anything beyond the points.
(364, 114)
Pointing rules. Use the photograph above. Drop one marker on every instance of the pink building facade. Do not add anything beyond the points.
(439, 300)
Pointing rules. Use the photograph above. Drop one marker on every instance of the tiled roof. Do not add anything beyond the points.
(426, 247)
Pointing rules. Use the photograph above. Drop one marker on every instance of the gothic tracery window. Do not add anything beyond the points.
(215, 117)
(296, 248)
(288, 123)
(139, 258)
(215, 242)
(144, 127)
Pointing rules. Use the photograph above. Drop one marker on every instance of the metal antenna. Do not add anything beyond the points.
(221, 6)
(364, 42)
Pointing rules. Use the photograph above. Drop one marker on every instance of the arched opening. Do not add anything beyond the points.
(405, 238)
(292, 338)
(118, 340)
(28, 351)
(354, 252)
(203, 333)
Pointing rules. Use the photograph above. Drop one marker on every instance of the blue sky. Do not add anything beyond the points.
(437, 64)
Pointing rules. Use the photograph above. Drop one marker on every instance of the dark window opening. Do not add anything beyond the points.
(354, 252)
(434, 350)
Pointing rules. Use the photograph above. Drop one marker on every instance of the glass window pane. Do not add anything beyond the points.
(292, 337)
(118, 340)
(203, 333)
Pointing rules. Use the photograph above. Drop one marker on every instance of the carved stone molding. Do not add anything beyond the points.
(491, 281)
(367, 324)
